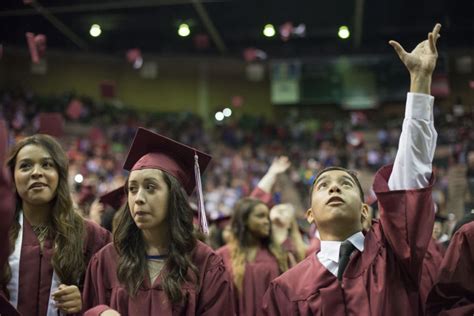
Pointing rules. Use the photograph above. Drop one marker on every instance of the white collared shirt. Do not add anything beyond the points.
(329, 254)
(411, 169)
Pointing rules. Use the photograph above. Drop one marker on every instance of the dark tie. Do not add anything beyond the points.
(344, 254)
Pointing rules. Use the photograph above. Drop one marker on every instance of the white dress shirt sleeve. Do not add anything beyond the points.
(413, 163)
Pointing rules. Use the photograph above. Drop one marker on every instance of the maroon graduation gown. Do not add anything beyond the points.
(36, 270)
(213, 296)
(7, 206)
(431, 264)
(453, 292)
(258, 275)
(314, 244)
(382, 280)
(263, 196)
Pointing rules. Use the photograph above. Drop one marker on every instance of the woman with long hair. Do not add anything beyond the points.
(251, 256)
(51, 244)
(156, 266)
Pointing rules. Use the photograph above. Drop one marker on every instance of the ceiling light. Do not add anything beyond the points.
(227, 112)
(184, 30)
(269, 30)
(95, 30)
(344, 32)
(219, 116)
(78, 178)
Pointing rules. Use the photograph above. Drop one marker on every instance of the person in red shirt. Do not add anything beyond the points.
(251, 256)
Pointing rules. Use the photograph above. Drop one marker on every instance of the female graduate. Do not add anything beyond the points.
(51, 244)
(156, 266)
(251, 256)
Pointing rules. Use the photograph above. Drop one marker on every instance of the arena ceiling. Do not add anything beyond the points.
(228, 28)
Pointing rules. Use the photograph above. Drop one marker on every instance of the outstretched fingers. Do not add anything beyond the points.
(399, 49)
(433, 38)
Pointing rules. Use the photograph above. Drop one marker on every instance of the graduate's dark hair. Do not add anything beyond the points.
(239, 243)
(351, 173)
(130, 245)
(67, 225)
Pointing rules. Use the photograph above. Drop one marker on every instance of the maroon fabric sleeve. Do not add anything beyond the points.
(431, 264)
(453, 293)
(216, 291)
(275, 302)
(94, 289)
(407, 219)
(96, 238)
(261, 195)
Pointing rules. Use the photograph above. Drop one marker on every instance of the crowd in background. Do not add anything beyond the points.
(97, 138)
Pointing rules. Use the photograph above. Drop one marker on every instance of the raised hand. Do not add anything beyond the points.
(421, 61)
(96, 211)
(279, 165)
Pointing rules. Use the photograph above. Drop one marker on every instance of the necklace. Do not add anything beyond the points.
(157, 258)
(41, 231)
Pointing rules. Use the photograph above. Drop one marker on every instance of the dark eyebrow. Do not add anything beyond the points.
(42, 159)
(25, 160)
(319, 179)
(348, 178)
(146, 180)
(152, 180)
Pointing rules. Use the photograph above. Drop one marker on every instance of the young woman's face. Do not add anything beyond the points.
(258, 222)
(148, 198)
(36, 176)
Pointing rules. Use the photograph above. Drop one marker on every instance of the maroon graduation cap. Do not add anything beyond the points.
(115, 198)
(36, 46)
(51, 124)
(150, 150)
(221, 221)
(107, 89)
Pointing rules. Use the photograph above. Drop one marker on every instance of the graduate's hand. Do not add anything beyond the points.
(279, 165)
(421, 62)
(96, 211)
(110, 312)
(68, 299)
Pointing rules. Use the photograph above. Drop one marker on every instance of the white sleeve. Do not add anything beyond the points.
(413, 163)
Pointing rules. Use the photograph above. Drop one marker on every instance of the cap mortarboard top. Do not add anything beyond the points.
(115, 198)
(153, 151)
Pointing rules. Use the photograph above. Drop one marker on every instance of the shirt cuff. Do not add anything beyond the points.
(419, 106)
